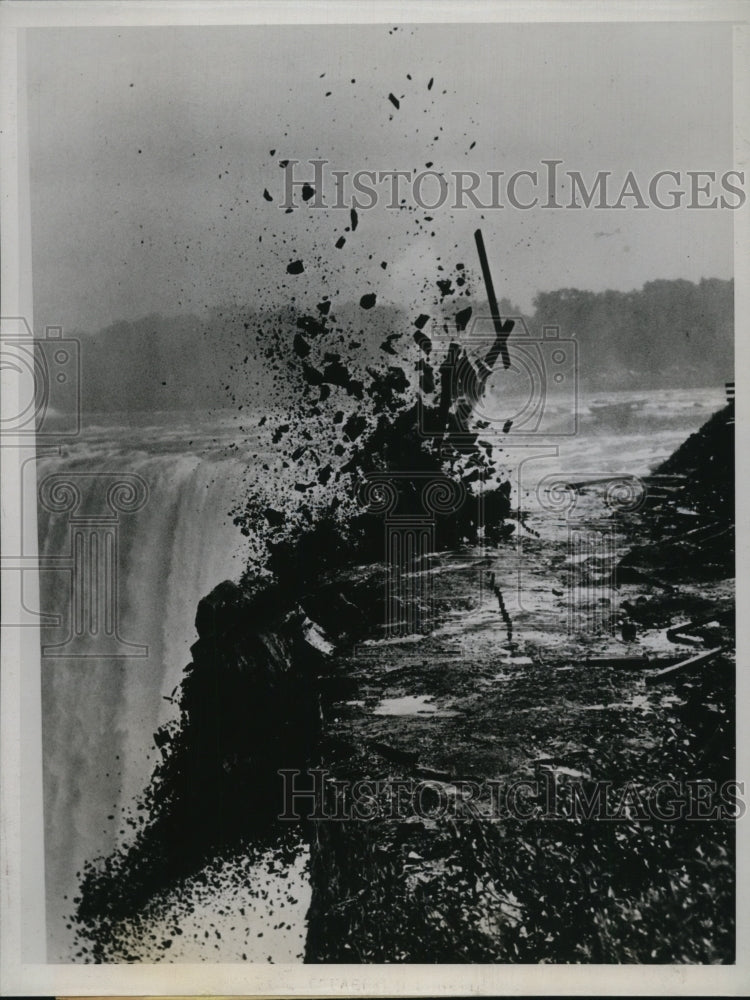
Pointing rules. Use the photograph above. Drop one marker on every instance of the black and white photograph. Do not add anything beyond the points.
(368, 548)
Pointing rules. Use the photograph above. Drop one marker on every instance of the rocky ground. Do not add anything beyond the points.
(526, 680)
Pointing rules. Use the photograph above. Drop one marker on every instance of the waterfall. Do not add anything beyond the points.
(99, 712)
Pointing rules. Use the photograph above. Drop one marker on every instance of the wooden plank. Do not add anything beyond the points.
(662, 482)
(502, 330)
(685, 631)
(629, 662)
(604, 480)
(657, 676)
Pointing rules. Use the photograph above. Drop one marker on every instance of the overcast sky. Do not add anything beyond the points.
(151, 149)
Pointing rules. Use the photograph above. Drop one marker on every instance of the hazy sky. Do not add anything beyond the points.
(151, 149)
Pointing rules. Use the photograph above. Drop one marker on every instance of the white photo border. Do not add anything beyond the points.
(23, 971)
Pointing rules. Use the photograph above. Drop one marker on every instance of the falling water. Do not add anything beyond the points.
(100, 712)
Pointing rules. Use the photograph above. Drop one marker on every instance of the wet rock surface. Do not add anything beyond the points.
(465, 707)
(449, 873)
